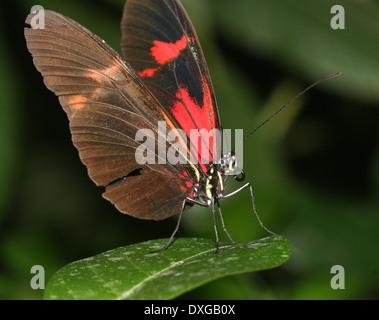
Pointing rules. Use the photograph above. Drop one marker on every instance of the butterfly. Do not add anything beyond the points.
(161, 77)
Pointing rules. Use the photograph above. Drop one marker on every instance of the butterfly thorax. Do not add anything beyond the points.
(213, 183)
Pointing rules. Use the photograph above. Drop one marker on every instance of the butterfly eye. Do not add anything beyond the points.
(240, 177)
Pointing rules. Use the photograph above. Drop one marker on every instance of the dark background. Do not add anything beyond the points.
(314, 168)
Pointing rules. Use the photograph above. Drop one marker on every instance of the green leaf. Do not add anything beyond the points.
(132, 273)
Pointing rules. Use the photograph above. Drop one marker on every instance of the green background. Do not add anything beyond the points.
(314, 168)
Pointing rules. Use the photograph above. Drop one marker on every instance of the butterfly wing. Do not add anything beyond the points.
(106, 102)
(160, 42)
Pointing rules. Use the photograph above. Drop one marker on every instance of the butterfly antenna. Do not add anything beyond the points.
(288, 103)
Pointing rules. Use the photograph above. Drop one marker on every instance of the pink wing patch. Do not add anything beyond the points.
(190, 115)
(148, 73)
(164, 52)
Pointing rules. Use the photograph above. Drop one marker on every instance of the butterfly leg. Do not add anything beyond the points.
(214, 220)
(169, 242)
(223, 224)
(248, 185)
(175, 231)
(215, 226)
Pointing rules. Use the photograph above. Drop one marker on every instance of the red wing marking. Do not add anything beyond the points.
(164, 52)
(148, 72)
(189, 184)
(190, 115)
(171, 125)
(183, 143)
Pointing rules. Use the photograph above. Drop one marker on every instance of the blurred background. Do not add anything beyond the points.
(314, 168)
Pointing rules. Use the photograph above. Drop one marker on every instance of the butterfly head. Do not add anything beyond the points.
(229, 167)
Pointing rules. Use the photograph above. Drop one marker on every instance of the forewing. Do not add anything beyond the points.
(159, 41)
(106, 103)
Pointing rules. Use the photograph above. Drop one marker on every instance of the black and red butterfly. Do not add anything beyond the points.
(162, 76)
